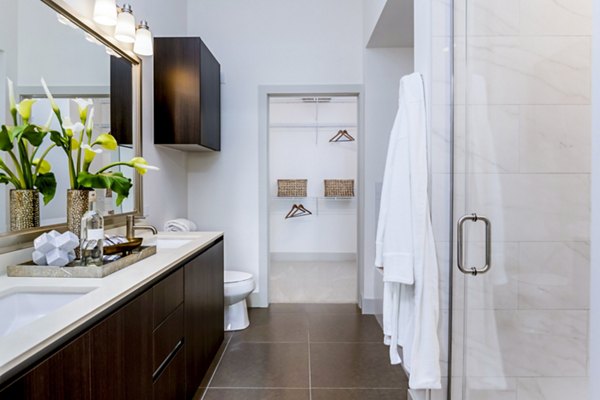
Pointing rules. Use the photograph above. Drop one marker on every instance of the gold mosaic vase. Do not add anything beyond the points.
(77, 205)
(24, 209)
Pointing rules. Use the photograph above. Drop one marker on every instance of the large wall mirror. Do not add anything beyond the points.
(56, 40)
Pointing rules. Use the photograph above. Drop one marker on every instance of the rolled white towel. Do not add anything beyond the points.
(180, 225)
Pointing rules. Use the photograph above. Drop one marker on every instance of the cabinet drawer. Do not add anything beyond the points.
(171, 382)
(166, 337)
(167, 294)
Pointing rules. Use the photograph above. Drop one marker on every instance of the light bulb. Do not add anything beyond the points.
(143, 40)
(125, 30)
(105, 12)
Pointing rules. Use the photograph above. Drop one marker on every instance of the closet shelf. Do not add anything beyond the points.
(312, 125)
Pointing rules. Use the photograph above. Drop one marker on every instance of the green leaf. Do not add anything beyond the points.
(107, 180)
(33, 135)
(5, 140)
(4, 179)
(58, 139)
(15, 132)
(46, 184)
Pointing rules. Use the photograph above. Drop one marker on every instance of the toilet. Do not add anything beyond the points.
(238, 286)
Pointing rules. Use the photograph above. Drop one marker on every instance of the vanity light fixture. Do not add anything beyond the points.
(143, 40)
(92, 39)
(105, 12)
(111, 52)
(65, 21)
(125, 30)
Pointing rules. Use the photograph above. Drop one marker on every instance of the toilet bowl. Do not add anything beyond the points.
(238, 286)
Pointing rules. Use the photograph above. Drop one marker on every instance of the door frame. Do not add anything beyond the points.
(260, 298)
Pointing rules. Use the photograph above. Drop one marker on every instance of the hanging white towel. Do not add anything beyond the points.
(180, 225)
(405, 246)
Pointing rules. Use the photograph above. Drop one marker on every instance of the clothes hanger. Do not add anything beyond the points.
(342, 136)
(298, 210)
(292, 211)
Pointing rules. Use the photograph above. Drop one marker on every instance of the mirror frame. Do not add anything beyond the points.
(12, 241)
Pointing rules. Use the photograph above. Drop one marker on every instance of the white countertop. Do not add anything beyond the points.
(30, 339)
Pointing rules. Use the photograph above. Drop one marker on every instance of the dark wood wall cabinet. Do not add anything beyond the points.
(187, 95)
(156, 346)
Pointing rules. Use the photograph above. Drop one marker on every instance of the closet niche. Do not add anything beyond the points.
(313, 150)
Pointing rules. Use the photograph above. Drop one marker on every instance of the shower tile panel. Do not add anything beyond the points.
(559, 18)
(554, 209)
(529, 70)
(527, 343)
(555, 139)
(552, 388)
(493, 17)
(554, 276)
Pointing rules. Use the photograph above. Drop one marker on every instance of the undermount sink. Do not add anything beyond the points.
(167, 243)
(21, 306)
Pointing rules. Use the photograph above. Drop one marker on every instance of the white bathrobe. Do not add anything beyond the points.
(405, 246)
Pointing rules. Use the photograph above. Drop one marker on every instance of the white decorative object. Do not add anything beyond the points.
(43, 243)
(54, 234)
(53, 248)
(68, 241)
(57, 257)
(39, 258)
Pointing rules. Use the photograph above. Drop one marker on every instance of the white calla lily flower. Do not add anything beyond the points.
(72, 128)
(82, 106)
(50, 97)
(11, 95)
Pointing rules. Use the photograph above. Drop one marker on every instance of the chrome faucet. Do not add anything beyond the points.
(130, 227)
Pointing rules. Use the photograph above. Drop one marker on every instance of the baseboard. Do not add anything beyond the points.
(310, 257)
(255, 300)
(419, 394)
(372, 306)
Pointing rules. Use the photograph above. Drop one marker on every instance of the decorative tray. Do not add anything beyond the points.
(76, 271)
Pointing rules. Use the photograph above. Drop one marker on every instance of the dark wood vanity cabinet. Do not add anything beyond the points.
(187, 95)
(157, 346)
(203, 298)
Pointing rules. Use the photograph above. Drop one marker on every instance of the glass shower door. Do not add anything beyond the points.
(521, 173)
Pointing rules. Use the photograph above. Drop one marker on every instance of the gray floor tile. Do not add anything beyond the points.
(274, 327)
(359, 394)
(354, 365)
(263, 365)
(349, 308)
(332, 308)
(286, 308)
(257, 394)
(344, 328)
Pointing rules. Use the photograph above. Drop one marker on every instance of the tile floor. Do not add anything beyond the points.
(305, 352)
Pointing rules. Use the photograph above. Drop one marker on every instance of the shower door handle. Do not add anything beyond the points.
(460, 244)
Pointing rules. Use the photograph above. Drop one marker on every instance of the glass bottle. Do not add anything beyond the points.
(92, 234)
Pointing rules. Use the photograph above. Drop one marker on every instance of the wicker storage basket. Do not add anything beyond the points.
(339, 187)
(291, 187)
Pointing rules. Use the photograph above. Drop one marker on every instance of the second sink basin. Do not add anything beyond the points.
(21, 306)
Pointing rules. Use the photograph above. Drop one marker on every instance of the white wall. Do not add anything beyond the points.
(372, 10)
(594, 330)
(266, 42)
(165, 191)
(57, 52)
(382, 71)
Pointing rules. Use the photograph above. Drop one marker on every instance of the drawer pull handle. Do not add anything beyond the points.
(163, 365)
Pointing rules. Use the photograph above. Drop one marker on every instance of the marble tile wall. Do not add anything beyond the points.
(313, 281)
(522, 139)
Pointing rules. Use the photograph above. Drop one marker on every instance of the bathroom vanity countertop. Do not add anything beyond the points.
(20, 346)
